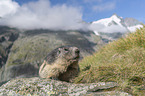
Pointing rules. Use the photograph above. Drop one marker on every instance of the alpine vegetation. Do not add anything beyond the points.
(121, 61)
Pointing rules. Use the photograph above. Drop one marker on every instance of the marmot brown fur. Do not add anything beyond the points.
(61, 64)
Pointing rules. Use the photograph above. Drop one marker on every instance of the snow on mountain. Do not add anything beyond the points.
(114, 27)
(133, 28)
(115, 24)
(114, 19)
(109, 25)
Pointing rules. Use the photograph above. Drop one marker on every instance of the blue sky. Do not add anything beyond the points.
(96, 9)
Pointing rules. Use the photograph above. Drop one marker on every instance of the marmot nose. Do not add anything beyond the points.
(77, 51)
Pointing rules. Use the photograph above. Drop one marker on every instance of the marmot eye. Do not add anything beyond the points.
(66, 49)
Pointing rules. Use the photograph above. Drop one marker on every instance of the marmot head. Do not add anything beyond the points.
(69, 53)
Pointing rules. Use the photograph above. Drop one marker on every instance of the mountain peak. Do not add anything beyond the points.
(115, 16)
(114, 19)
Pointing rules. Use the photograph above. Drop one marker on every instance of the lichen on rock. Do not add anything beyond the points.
(46, 87)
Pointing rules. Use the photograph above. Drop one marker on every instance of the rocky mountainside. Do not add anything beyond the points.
(7, 37)
(26, 50)
(131, 22)
(114, 27)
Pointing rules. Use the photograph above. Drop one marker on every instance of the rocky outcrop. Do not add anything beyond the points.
(7, 37)
(29, 50)
(46, 87)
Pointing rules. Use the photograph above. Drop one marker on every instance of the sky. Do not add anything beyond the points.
(65, 14)
(97, 9)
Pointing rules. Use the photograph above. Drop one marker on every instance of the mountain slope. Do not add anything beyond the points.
(29, 50)
(7, 38)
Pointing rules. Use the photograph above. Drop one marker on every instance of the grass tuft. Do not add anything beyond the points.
(121, 61)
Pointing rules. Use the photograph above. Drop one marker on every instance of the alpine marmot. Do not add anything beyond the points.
(61, 64)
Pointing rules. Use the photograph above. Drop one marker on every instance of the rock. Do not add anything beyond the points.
(7, 37)
(46, 87)
(30, 49)
(109, 93)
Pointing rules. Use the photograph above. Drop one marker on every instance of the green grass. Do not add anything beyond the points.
(121, 61)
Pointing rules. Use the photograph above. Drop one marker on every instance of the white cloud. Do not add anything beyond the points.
(104, 7)
(41, 14)
(7, 7)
